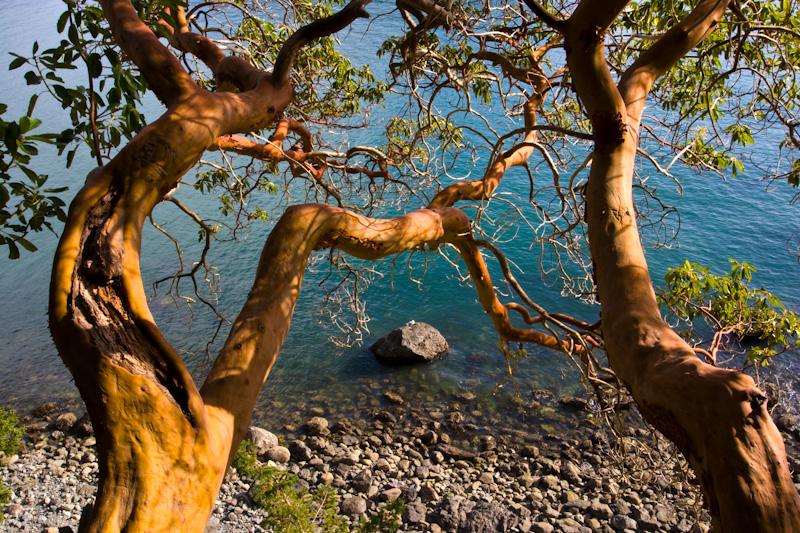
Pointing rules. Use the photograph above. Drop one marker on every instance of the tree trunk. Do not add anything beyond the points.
(717, 418)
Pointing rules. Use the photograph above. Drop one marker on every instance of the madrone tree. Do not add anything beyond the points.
(576, 71)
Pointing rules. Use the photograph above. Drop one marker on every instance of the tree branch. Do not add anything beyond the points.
(545, 16)
(255, 339)
(309, 32)
(162, 70)
(654, 62)
(481, 189)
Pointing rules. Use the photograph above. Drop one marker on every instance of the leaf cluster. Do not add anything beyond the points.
(730, 307)
(738, 84)
(26, 204)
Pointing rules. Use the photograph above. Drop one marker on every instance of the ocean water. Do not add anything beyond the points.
(741, 218)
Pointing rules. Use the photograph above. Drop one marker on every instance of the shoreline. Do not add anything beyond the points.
(454, 476)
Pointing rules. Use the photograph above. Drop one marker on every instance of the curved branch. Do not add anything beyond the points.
(654, 62)
(309, 32)
(162, 70)
(229, 71)
(545, 16)
(258, 332)
(483, 188)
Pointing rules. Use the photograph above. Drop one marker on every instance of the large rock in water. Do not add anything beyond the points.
(415, 342)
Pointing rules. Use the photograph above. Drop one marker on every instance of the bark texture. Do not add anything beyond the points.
(164, 444)
(717, 418)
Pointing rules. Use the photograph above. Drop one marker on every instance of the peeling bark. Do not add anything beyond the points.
(717, 418)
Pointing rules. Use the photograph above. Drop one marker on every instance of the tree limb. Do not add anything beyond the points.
(164, 74)
(654, 62)
(309, 32)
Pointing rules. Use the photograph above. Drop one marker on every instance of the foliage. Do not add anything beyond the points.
(290, 510)
(25, 203)
(10, 433)
(299, 511)
(730, 308)
(387, 519)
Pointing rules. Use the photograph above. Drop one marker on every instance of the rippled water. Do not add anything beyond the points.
(719, 220)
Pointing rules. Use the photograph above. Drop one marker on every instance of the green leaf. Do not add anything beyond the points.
(31, 78)
(32, 103)
(26, 244)
(62, 21)
(95, 65)
(18, 62)
(13, 251)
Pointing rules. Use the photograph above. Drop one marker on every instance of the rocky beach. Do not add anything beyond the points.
(454, 476)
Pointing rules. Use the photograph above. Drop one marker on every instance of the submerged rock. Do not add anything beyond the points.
(415, 342)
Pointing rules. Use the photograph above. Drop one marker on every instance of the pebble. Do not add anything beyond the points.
(464, 480)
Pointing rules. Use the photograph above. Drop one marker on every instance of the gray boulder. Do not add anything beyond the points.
(416, 342)
(264, 440)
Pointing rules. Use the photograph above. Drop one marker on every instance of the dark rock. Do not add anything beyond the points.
(390, 495)
(572, 402)
(578, 504)
(542, 394)
(317, 426)
(393, 397)
(300, 451)
(387, 418)
(343, 427)
(319, 444)
(409, 492)
(464, 516)
(569, 525)
(354, 506)
(428, 494)
(429, 438)
(488, 443)
(362, 481)
(601, 510)
(84, 426)
(773, 393)
(786, 422)
(648, 524)
(571, 472)
(456, 453)
(414, 513)
(530, 451)
(348, 458)
(45, 409)
(621, 522)
(65, 422)
(455, 417)
(413, 343)
(279, 454)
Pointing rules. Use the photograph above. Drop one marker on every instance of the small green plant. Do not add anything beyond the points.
(733, 311)
(387, 519)
(300, 511)
(10, 433)
(290, 510)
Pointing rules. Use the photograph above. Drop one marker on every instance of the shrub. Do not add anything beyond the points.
(10, 433)
(300, 511)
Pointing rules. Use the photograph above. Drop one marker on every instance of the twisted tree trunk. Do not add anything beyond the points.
(717, 418)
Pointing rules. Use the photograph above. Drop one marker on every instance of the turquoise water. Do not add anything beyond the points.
(719, 219)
